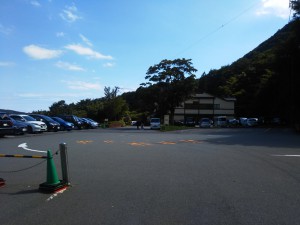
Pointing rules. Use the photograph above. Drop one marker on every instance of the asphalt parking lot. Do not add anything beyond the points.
(130, 176)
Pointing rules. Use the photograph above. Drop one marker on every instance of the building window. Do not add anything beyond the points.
(191, 106)
(206, 106)
(217, 106)
(196, 105)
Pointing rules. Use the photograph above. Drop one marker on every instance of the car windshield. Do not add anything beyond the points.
(29, 118)
(58, 119)
(48, 119)
(155, 120)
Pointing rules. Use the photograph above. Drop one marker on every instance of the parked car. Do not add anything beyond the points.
(233, 122)
(52, 125)
(64, 125)
(155, 123)
(33, 126)
(220, 121)
(85, 124)
(189, 121)
(251, 122)
(178, 122)
(72, 119)
(93, 124)
(20, 128)
(6, 125)
(243, 121)
(205, 123)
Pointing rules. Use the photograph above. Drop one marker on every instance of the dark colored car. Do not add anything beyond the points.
(6, 125)
(52, 125)
(72, 119)
(189, 121)
(20, 128)
(64, 125)
(85, 124)
(88, 123)
(93, 123)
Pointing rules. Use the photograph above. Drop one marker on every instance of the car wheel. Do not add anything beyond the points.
(29, 130)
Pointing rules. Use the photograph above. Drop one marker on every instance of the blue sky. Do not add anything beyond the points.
(52, 50)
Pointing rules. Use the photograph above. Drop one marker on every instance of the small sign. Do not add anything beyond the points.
(166, 119)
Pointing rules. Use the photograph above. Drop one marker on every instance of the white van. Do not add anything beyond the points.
(220, 121)
(155, 123)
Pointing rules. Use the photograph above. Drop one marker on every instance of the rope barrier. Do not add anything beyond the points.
(20, 170)
(28, 157)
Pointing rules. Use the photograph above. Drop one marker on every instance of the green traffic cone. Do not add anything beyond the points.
(52, 177)
(53, 183)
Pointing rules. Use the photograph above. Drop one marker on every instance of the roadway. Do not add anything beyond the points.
(128, 177)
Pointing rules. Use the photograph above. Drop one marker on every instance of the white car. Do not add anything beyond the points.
(205, 123)
(155, 123)
(37, 126)
(252, 122)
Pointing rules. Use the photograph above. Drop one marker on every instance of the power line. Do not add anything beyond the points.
(219, 28)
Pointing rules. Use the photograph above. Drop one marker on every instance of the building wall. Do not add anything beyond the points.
(205, 105)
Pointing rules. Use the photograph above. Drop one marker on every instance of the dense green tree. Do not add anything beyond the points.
(295, 5)
(172, 82)
(59, 108)
(115, 109)
(110, 93)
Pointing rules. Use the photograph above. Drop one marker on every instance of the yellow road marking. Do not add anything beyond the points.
(84, 142)
(138, 144)
(191, 141)
(167, 143)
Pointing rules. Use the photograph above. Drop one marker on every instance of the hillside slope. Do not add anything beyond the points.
(265, 81)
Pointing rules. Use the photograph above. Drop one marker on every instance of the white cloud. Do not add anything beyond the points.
(60, 34)
(69, 66)
(80, 50)
(109, 64)
(279, 8)
(69, 14)
(37, 52)
(47, 95)
(6, 64)
(5, 30)
(81, 85)
(85, 40)
(35, 3)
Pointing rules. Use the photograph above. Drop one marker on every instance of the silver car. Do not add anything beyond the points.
(34, 127)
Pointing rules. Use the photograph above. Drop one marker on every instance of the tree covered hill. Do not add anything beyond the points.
(266, 80)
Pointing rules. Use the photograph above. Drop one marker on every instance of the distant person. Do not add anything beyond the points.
(142, 125)
(138, 124)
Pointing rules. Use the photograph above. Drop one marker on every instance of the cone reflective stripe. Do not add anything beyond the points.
(52, 177)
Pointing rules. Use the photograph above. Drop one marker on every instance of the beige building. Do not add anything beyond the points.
(204, 106)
